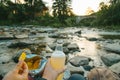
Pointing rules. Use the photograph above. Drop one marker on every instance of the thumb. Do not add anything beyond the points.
(18, 66)
(61, 70)
(25, 69)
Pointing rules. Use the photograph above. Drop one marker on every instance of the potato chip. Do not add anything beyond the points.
(22, 56)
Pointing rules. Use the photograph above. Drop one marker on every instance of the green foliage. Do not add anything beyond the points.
(109, 15)
(87, 21)
(61, 8)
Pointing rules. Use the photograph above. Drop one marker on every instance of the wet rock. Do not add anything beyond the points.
(110, 59)
(52, 46)
(19, 45)
(115, 48)
(5, 58)
(116, 68)
(33, 33)
(73, 69)
(5, 68)
(92, 39)
(6, 36)
(1, 77)
(66, 44)
(79, 61)
(73, 46)
(65, 50)
(39, 48)
(87, 67)
(48, 49)
(58, 35)
(21, 36)
(78, 32)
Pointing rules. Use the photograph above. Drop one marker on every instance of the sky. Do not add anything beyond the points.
(80, 6)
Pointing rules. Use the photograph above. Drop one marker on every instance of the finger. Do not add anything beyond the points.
(25, 69)
(61, 70)
(18, 66)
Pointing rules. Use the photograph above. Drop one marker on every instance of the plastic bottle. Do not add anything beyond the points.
(58, 59)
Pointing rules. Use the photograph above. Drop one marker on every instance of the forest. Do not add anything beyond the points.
(35, 12)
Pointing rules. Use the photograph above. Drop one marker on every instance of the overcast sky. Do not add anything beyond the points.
(80, 6)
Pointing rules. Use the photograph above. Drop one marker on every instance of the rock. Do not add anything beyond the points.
(66, 44)
(5, 58)
(73, 69)
(73, 46)
(52, 46)
(110, 59)
(19, 45)
(6, 36)
(78, 32)
(39, 48)
(87, 67)
(115, 48)
(5, 68)
(58, 35)
(79, 61)
(21, 36)
(116, 68)
(48, 49)
(65, 50)
(1, 77)
(92, 39)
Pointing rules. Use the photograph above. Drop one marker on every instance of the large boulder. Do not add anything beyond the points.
(21, 36)
(6, 36)
(5, 68)
(112, 48)
(110, 59)
(116, 68)
(5, 58)
(79, 61)
(19, 45)
(73, 46)
(74, 69)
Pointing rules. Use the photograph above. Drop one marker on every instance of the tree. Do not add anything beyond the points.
(61, 8)
(34, 6)
(109, 14)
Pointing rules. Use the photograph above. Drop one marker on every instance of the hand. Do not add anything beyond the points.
(20, 72)
(51, 74)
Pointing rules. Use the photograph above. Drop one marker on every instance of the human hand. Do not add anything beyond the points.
(51, 74)
(20, 72)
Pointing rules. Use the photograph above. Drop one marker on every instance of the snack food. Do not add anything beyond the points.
(22, 56)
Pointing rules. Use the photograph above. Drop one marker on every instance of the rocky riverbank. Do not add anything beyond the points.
(85, 48)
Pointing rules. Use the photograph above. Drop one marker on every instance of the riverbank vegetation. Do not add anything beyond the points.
(35, 12)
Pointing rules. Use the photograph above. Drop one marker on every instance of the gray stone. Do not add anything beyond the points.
(74, 69)
(92, 39)
(72, 46)
(112, 48)
(5, 68)
(78, 32)
(5, 58)
(21, 36)
(65, 50)
(116, 68)
(110, 59)
(19, 45)
(6, 36)
(79, 61)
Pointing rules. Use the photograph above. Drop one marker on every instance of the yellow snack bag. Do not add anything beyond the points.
(22, 56)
